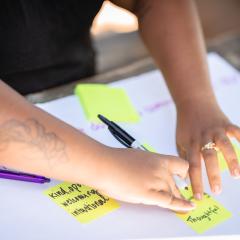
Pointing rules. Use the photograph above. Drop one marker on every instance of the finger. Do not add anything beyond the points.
(225, 145)
(212, 168)
(181, 151)
(177, 166)
(195, 171)
(167, 200)
(174, 189)
(234, 131)
(166, 183)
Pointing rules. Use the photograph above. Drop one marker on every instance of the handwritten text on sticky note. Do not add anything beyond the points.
(82, 202)
(207, 214)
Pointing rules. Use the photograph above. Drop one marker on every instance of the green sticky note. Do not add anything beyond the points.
(207, 214)
(222, 162)
(113, 103)
(82, 202)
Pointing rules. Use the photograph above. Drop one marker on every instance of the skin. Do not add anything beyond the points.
(172, 32)
(33, 141)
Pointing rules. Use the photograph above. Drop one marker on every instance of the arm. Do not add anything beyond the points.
(173, 35)
(33, 141)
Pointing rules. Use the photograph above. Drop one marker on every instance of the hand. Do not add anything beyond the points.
(198, 124)
(136, 176)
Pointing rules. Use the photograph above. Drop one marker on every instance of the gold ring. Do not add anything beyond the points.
(209, 146)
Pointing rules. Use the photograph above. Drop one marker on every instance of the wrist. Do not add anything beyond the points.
(198, 102)
(95, 166)
(86, 162)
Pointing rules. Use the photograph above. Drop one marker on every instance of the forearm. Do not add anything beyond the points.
(36, 142)
(172, 33)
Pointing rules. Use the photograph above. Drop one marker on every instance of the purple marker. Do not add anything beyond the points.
(25, 177)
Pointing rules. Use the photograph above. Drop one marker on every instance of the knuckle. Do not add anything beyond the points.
(195, 166)
(222, 140)
(163, 164)
(194, 143)
(197, 188)
(194, 140)
(232, 162)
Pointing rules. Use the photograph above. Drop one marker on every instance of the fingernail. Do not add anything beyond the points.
(236, 173)
(198, 196)
(216, 189)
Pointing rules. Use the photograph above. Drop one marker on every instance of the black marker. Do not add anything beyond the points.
(121, 135)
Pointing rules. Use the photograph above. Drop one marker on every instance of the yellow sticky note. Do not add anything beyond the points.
(207, 214)
(222, 163)
(113, 103)
(82, 202)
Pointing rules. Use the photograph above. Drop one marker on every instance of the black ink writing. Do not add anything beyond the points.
(206, 215)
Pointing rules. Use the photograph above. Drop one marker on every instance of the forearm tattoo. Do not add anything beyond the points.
(33, 136)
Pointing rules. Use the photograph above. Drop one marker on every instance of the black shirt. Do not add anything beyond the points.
(44, 43)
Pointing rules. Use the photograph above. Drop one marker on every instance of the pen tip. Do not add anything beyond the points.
(103, 119)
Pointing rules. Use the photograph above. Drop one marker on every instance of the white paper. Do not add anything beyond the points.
(27, 214)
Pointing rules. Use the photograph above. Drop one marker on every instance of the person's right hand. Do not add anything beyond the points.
(136, 176)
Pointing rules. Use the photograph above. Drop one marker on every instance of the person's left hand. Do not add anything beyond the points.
(197, 125)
